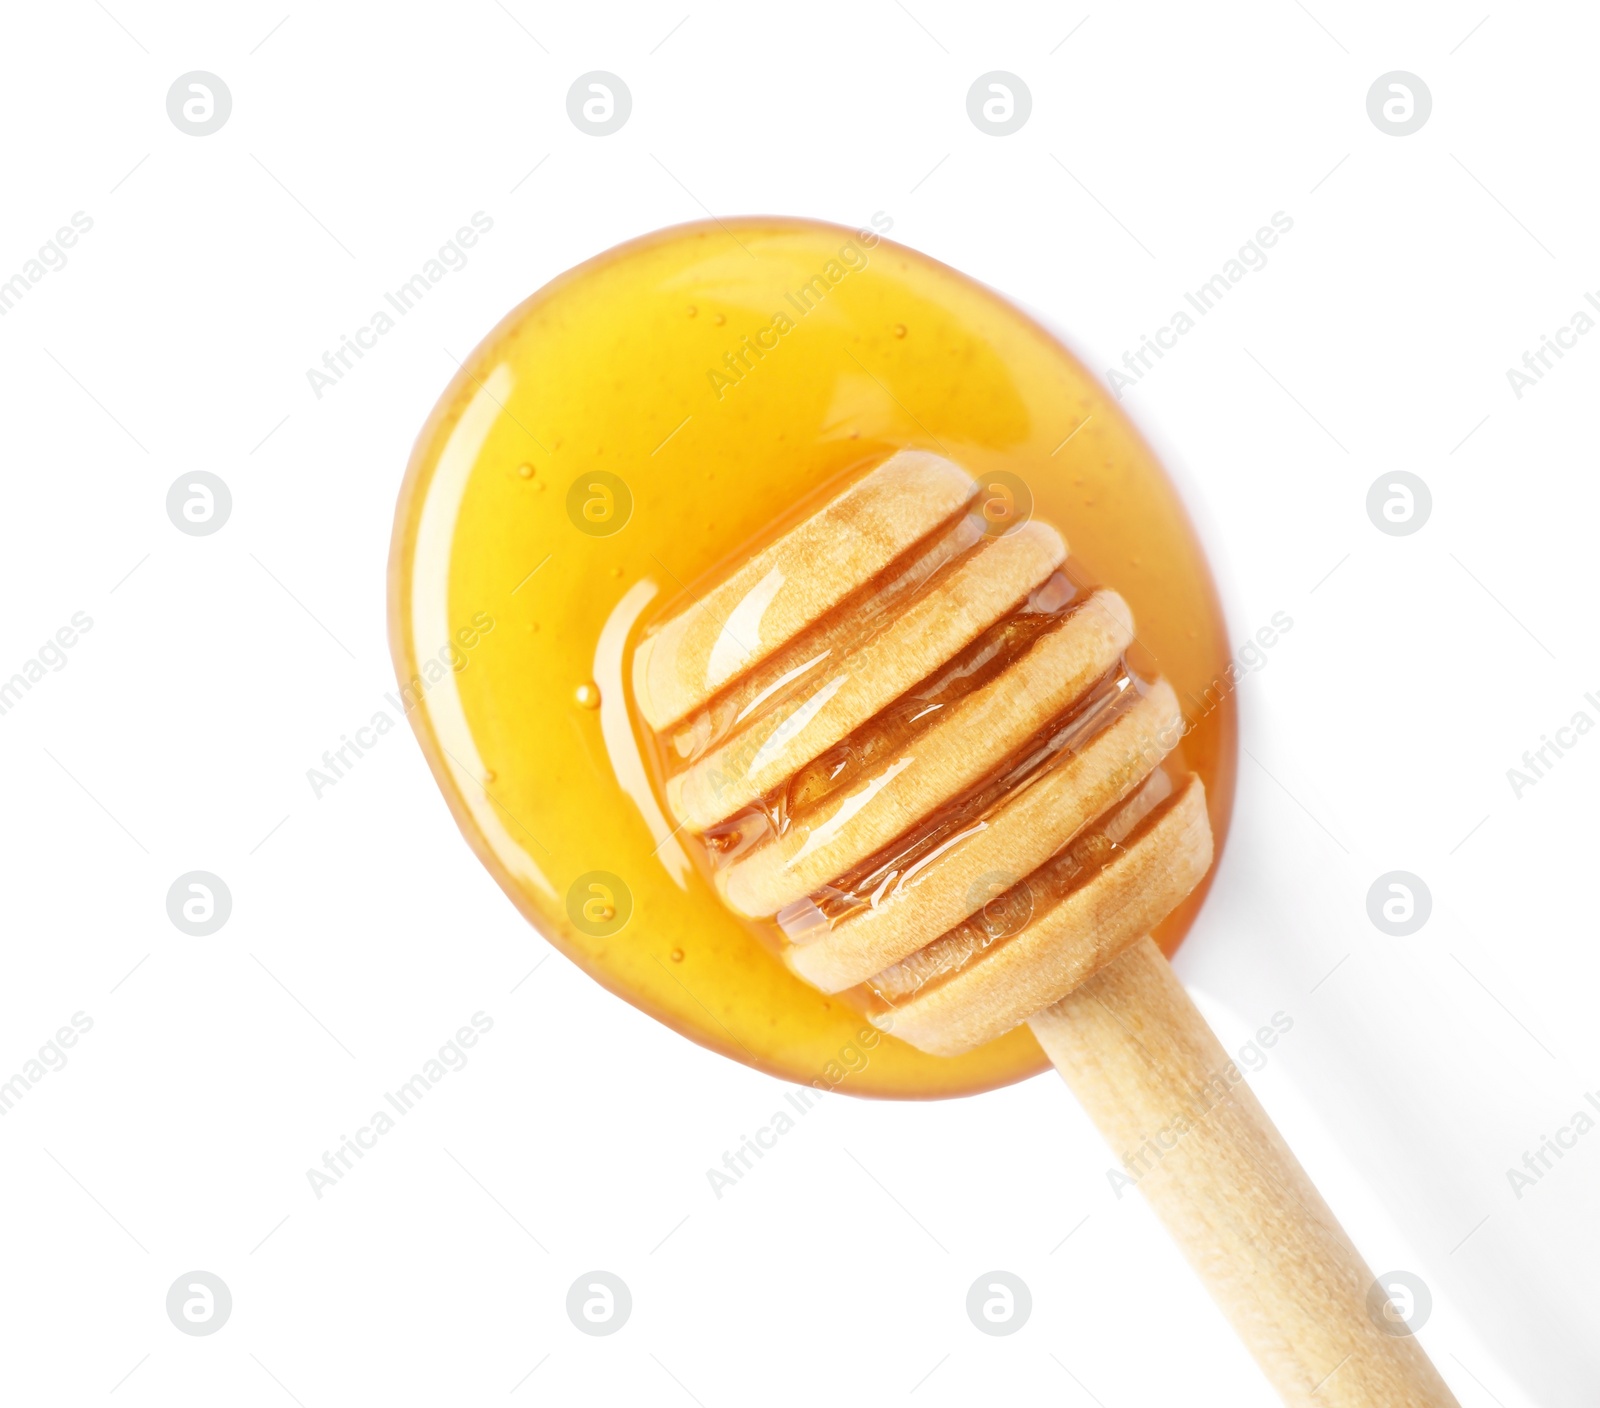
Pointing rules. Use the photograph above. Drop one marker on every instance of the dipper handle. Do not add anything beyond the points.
(1168, 1099)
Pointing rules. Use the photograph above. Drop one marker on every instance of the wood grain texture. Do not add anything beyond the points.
(1175, 1109)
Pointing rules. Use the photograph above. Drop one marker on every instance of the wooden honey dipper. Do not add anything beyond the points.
(903, 733)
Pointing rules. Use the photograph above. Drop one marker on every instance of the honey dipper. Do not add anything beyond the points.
(908, 738)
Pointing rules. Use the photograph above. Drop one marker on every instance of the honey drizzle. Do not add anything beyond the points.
(1032, 897)
(905, 861)
(846, 763)
(791, 675)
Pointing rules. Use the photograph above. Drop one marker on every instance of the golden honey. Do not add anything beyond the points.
(634, 427)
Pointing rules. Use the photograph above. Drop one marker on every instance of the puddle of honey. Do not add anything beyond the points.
(662, 363)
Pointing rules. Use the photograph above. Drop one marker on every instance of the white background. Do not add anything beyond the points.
(177, 737)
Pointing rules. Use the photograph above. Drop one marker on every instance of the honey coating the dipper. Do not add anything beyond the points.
(613, 445)
(938, 771)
